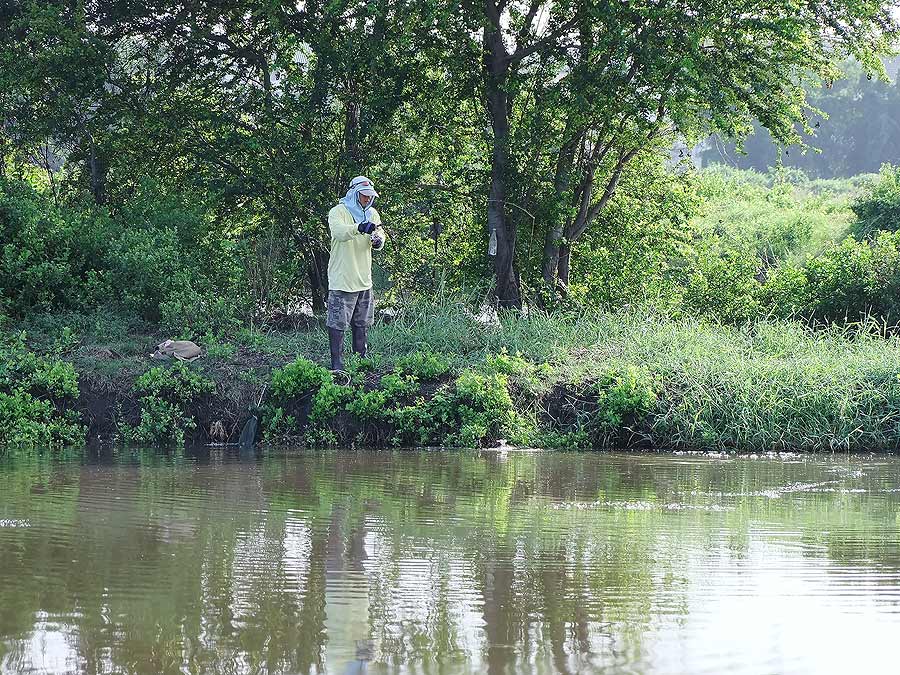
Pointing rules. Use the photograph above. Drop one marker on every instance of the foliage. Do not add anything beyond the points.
(639, 245)
(473, 409)
(115, 104)
(624, 397)
(298, 378)
(522, 373)
(48, 254)
(424, 365)
(327, 402)
(879, 208)
(167, 395)
(278, 426)
(724, 287)
(854, 124)
(848, 282)
(143, 263)
(36, 394)
(781, 215)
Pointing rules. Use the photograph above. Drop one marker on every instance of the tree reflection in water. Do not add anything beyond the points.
(351, 562)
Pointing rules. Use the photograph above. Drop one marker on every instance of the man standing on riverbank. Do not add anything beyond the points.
(355, 231)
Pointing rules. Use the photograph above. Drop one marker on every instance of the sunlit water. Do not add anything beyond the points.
(449, 562)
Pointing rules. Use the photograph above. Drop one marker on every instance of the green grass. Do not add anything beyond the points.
(766, 386)
(770, 385)
(784, 217)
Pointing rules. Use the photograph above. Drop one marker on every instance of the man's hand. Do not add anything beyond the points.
(366, 227)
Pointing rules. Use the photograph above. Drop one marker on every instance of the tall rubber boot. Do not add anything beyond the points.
(336, 342)
(359, 340)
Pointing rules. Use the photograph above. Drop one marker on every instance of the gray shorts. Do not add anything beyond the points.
(350, 308)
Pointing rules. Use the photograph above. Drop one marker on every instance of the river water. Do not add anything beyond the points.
(449, 562)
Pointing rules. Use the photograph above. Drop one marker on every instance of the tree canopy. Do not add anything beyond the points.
(506, 128)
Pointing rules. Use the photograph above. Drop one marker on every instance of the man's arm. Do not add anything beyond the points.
(341, 230)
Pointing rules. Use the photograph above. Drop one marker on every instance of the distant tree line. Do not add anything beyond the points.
(858, 131)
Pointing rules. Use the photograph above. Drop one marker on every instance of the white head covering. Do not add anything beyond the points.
(359, 186)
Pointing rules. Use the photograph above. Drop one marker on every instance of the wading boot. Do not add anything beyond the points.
(359, 341)
(336, 342)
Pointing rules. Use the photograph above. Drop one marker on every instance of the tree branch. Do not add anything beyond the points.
(523, 52)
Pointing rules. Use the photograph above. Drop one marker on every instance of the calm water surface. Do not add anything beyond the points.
(450, 562)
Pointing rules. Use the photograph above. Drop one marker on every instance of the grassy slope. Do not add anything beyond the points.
(761, 387)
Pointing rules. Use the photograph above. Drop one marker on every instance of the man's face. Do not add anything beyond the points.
(365, 200)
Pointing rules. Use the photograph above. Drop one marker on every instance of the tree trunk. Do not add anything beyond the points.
(565, 255)
(97, 169)
(318, 279)
(496, 78)
(559, 216)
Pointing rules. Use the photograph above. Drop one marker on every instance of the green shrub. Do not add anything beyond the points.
(50, 258)
(555, 439)
(298, 378)
(152, 258)
(328, 401)
(413, 424)
(369, 406)
(167, 395)
(36, 394)
(624, 397)
(846, 283)
(724, 287)
(396, 386)
(278, 426)
(878, 209)
(424, 365)
(379, 404)
(522, 373)
(475, 408)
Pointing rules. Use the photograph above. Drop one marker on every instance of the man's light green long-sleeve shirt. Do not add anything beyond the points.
(350, 264)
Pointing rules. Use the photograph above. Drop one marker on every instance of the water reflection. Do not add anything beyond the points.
(352, 562)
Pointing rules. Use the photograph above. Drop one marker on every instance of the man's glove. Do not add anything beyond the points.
(366, 227)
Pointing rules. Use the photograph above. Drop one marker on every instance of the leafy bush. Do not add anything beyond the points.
(50, 257)
(724, 287)
(295, 385)
(624, 396)
(164, 282)
(151, 259)
(475, 408)
(298, 378)
(278, 425)
(167, 395)
(847, 282)
(424, 365)
(413, 424)
(35, 397)
(369, 406)
(878, 209)
(522, 373)
(328, 401)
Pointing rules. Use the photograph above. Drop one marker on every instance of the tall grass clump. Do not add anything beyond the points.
(769, 384)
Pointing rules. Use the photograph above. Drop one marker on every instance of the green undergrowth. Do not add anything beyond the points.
(626, 379)
(168, 396)
(443, 375)
(37, 394)
(414, 402)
